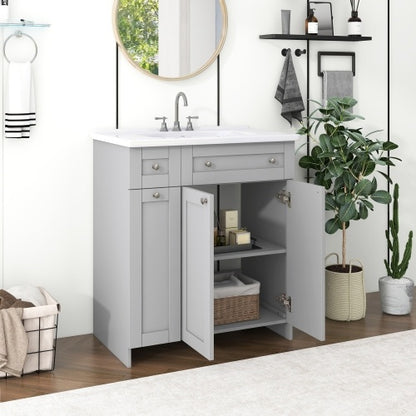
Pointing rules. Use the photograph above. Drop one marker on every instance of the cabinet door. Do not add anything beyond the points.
(197, 271)
(305, 257)
(160, 266)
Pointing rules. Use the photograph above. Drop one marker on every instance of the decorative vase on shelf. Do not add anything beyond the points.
(354, 24)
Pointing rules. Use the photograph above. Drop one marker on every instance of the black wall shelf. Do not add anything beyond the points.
(318, 37)
(308, 38)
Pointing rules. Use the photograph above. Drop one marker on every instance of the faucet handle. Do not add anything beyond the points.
(163, 126)
(189, 126)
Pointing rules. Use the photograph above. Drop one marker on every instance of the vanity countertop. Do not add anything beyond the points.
(204, 136)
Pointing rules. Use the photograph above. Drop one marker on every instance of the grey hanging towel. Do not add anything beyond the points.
(288, 92)
(337, 84)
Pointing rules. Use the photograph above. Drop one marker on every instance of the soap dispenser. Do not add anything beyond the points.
(311, 23)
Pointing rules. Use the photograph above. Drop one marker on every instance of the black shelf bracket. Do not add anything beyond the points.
(320, 54)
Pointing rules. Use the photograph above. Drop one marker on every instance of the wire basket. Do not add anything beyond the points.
(41, 326)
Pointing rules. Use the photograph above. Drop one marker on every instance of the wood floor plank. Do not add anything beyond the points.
(82, 361)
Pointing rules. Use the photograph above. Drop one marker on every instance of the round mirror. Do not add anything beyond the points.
(170, 39)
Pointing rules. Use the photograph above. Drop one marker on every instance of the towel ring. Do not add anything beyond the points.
(19, 34)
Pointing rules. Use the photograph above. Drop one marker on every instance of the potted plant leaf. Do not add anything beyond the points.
(396, 290)
(345, 162)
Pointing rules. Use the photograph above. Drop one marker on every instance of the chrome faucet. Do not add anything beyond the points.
(176, 125)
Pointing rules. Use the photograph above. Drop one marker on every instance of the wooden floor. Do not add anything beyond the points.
(83, 361)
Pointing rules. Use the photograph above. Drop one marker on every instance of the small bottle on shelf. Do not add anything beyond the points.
(221, 238)
(354, 24)
(4, 10)
(311, 23)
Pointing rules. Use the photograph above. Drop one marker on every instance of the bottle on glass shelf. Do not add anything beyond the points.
(354, 24)
(311, 23)
(4, 10)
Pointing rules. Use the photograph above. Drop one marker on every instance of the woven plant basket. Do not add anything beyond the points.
(345, 293)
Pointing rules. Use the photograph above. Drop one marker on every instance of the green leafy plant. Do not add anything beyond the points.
(138, 28)
(344, 161)
(396, 269)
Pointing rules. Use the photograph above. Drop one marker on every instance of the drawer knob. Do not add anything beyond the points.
(156, 195)
(204, 201)
(272, 160)
(155, 166)
(208, 164)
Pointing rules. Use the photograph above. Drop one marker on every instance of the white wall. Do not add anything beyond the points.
(403, 108)
(249, 98)
(48, 180)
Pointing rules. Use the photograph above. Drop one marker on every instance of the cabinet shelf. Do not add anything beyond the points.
(262, 248)
(267, 318)
(335, 38)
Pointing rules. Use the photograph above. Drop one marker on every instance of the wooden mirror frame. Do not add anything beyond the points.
(211, 59)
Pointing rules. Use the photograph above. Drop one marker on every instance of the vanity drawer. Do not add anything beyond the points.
(238, 163)
(155, 195)
(160, 167)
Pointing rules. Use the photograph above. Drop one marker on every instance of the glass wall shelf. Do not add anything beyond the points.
(20, 23)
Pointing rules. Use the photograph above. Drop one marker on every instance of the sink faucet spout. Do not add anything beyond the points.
(176, 125)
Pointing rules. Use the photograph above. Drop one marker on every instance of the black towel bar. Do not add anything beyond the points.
(320, 54)
(298, 52)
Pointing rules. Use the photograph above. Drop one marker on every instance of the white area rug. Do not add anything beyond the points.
(372, 376)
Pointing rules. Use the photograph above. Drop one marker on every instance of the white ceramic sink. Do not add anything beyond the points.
(202, 136)
(184, 134)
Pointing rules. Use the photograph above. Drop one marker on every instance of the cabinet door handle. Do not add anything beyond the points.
(155, 166)
(156, 195)
(272, 160)
(204, 201)
(208, 164)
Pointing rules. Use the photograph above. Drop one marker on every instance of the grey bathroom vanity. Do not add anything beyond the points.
(156, 196)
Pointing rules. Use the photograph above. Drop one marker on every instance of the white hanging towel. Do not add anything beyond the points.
(20, 113)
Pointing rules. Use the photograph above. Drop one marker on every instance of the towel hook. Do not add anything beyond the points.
(298, 52)
(20, 34)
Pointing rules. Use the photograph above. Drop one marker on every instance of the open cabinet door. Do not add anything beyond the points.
(198, 271)
(306, 257)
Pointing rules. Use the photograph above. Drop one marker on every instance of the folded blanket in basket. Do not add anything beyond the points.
(7, 300)
(13, 341)
(234, 284)
(28, 293)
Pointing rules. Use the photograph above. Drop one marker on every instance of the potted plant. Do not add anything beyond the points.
(396, 290)
(344, 161)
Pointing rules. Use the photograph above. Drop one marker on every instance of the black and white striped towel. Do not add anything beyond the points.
(19, 115)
